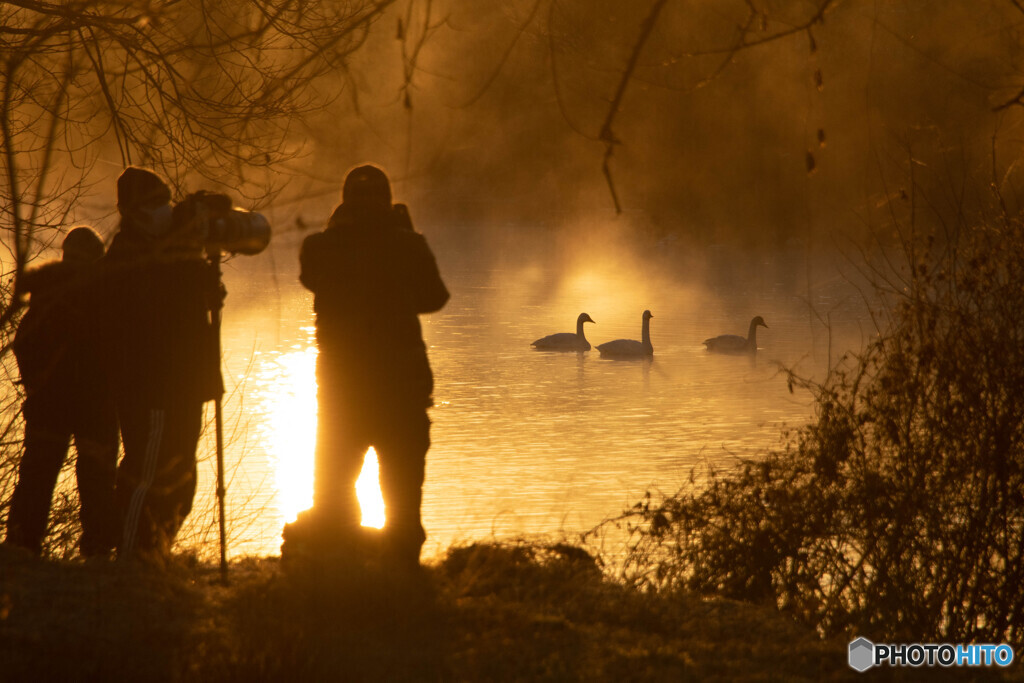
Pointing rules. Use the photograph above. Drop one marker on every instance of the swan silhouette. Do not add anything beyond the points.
(630, 348)
(733, 343)
(566, 341)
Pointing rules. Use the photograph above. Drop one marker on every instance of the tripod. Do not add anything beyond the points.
(214, 256)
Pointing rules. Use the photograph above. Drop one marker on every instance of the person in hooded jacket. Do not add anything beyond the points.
(163, 359)
(66, 396)
(372, 275)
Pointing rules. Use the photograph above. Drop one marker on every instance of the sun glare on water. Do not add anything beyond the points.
(288, 398)
(368, 490)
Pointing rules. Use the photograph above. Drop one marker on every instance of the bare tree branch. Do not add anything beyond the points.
(489, 81)
(607, 135)
(184, 86)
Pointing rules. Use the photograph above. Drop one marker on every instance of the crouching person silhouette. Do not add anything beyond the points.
(57, 347)
(371, 274)
(160, 291)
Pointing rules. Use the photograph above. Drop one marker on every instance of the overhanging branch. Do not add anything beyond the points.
(607, 135)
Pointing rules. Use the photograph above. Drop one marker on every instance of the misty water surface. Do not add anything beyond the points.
(528, 442)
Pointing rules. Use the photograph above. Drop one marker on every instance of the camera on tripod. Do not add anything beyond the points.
(213, 221)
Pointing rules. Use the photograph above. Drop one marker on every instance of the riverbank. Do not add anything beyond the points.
(495, 612)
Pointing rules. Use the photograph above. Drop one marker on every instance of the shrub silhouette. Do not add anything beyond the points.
(898, 512)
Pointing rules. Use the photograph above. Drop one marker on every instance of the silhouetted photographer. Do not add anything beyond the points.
(372, 275)
(163, 298)
(66, 395)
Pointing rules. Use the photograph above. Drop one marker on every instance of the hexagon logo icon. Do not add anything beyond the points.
(862, 654)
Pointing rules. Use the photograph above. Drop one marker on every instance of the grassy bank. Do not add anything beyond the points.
(497, 612)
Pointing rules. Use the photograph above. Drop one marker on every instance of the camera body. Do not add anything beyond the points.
(400, 217)
(211, 220)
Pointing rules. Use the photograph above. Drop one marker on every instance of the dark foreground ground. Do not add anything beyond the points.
(483, 613)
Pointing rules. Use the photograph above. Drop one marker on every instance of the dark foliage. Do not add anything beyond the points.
(898, 512)
(513, 611)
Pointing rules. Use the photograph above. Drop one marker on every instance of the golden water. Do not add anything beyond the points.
(524, 442)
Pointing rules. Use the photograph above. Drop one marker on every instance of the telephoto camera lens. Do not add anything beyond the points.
(239, 232)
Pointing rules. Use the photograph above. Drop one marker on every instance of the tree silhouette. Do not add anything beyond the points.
(184, 86)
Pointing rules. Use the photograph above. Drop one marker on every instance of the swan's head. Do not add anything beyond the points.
(648, 315)
(758, 320)
(584, 318)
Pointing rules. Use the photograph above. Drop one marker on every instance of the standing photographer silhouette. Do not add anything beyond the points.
(372, 274)
(66, 395)
(160, 294)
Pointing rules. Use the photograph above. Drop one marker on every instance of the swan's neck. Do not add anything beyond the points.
(646, 332)
(579, 329)
(752, 336)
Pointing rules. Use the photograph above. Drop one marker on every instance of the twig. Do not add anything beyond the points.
(607, 135)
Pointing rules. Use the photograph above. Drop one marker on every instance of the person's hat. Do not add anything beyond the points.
(139, 187)
(368, 186)
(82, 244)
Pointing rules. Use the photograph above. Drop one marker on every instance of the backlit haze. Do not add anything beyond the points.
(745, 177)
(527, 442)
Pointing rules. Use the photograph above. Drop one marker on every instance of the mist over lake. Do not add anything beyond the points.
(528, 442)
